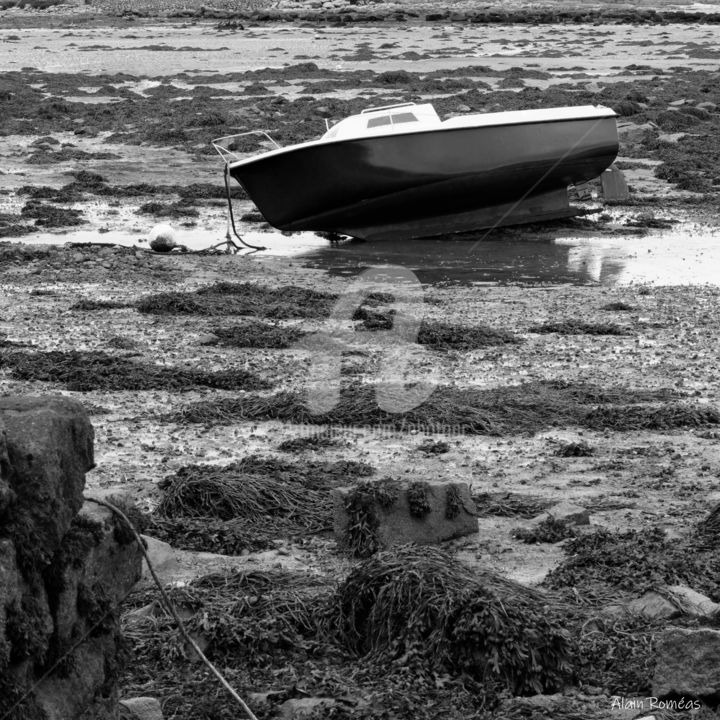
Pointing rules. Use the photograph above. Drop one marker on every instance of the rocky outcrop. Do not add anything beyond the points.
(65, 564)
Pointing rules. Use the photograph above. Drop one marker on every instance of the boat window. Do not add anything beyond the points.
(378, 121)
(403, 118)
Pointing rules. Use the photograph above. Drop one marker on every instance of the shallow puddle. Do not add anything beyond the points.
(688, 254)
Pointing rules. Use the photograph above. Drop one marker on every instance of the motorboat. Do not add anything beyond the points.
(399, 171)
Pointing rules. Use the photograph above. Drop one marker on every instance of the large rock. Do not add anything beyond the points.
(64, 568)
(99, 567)
(48, 449)
(688, 664)
(399, 513)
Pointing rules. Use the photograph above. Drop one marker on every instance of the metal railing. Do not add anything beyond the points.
(229, 155)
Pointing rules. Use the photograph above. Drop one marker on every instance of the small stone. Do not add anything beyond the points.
(302, 707)
(207, 339)
(565, 513)
(692, 603)
(653, 605)
(140, 708)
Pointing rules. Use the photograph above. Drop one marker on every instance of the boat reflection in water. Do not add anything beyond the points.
(686, 255)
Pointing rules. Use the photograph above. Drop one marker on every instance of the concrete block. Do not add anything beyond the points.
(401, 512)
(614, 186)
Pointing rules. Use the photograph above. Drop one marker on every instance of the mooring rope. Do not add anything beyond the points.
(169, 607)
(232, 216)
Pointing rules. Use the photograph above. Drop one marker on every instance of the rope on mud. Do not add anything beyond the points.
(171, 609)
(232, 216)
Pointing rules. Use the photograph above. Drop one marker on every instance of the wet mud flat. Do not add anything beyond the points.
(606, 397)
(194, 366)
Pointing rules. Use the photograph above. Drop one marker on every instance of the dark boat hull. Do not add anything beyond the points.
(430, 182)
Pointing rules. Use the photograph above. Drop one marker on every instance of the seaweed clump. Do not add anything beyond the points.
(51, 216)
(667, 416)
(507, 410)
(88, 304)
(617, 653)
(434, 447)
(507, 504)
(250, 503)
(549, 530)
(239, 615)
(453, 502)
(317, 441)
(618, 306)
(418, 502)
(226, 298)
(438, 335)
(634, 562)
(442, 336)
(361, 505)
(421, 603)
(256, 334)
(579, 327)
(574, 449)
(96, 370)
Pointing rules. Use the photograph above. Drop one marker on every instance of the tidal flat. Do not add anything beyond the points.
(567, 362)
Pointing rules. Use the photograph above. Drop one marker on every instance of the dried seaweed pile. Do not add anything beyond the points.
(249, 504)
(236, 614)
(438, 335)
(96, 370)
(707, 532)
(434, 447)
(88, 304)
(665, 417)
(50, 215)
(523, 408)
(574, 449)
(617, 654)
(442, 336)
(256, 334)
(618, 306)
(633, 562)
(579, 327)
(508, 504)
(549, 530)
(318, 441)
(422, 603)
(363, 520)
(267, 632)
(225, 298)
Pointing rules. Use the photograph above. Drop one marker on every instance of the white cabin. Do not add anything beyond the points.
(388, 120)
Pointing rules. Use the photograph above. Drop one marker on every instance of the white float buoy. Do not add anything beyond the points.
(162, 238)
